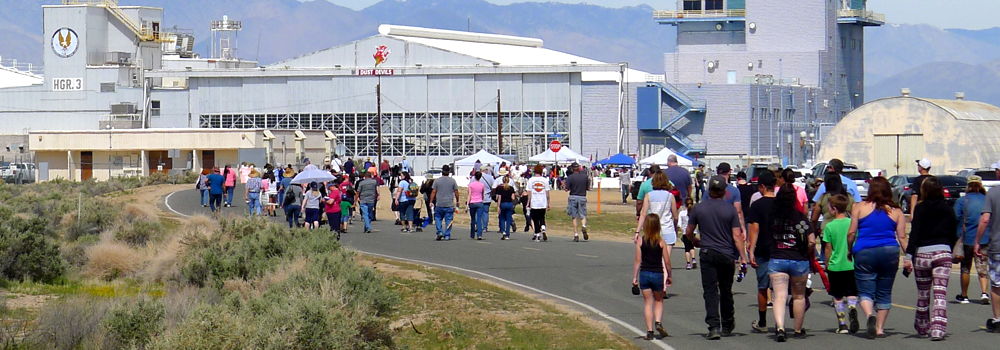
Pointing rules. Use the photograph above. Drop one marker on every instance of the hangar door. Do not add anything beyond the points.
(897, 153)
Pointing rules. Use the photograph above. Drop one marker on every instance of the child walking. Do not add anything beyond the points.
(839, 269)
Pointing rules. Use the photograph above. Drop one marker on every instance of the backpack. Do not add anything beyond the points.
(290, 197)
(412, 189)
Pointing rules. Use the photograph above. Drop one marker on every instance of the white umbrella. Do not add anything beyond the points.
(312, 174)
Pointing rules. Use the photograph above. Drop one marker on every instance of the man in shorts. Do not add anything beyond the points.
(991, 207)
(577, 185)
(760, 242)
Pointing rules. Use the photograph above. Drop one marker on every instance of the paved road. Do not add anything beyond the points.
(595, 278)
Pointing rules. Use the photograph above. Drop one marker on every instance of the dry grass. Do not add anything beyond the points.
(133, 212)
(109, 260)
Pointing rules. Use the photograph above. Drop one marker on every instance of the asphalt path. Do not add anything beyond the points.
(595, 278)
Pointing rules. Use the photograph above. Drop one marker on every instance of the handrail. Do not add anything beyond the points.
(144, 34)
(864, 14)
(671, 14)
(90, 2)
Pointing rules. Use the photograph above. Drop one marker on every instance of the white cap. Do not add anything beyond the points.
(924, 163)
(995, 165)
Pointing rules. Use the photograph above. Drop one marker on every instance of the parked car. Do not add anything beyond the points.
(954, 187)
(989, 176)
(18, 173)
(860, 177)
(901, 190)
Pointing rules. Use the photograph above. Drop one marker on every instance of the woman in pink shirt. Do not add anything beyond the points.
(230, 184)
(477, 191)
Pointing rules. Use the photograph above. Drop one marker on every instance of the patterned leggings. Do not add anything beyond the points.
(931, 271)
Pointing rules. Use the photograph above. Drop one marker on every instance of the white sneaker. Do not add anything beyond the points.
(984, 299)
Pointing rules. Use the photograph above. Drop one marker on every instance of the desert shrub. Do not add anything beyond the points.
(133, 325)
(111, 260)
(246, 249)
(138, 233)
(75, 253)
(70, 323)
(27, 255)
(12, 328)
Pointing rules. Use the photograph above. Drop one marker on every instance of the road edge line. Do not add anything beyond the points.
(589, 308)
(166, 201)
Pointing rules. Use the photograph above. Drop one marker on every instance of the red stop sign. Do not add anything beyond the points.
(555, 146)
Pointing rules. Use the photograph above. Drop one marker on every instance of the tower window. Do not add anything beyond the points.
(692, 5)
(713, 4)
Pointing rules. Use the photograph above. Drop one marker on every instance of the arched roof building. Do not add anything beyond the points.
(891, 133)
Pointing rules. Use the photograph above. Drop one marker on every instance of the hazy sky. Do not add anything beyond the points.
(972, 14)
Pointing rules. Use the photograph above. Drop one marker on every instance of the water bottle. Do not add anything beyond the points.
(743, 273)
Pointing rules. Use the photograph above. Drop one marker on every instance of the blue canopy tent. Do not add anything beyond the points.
(618, 159)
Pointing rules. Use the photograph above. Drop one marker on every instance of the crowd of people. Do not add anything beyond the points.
(854, 245)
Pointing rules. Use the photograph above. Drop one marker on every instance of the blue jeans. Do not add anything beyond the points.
(442, 220)
(204, 197)
(485, 218)
(367, 218)
(875, 272)
(475, 213)
(651, 280)
(254, 203)
(215, 201)
(281, 198)
(506, 217)
(292, 215)
(229, 195)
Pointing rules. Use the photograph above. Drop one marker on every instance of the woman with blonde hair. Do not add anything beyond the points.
(651, 272)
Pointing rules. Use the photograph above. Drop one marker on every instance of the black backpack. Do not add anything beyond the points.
(290, 197)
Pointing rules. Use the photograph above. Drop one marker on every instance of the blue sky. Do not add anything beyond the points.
(970, 14)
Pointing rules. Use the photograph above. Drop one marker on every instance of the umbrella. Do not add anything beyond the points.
(312, 174)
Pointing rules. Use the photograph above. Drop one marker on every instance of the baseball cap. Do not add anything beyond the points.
(924, 163)
(975, 178)
(718, 182)
(723, 168)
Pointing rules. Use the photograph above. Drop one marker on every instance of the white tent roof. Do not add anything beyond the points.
(660, 158)
(483, 157)
(565, 155)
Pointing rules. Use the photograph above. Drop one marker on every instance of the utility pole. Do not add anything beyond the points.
(499, 126)
(378, 121)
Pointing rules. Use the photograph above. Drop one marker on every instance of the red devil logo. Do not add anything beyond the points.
(381, 55)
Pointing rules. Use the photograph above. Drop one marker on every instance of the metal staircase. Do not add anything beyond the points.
(142, 33)
(683, 108)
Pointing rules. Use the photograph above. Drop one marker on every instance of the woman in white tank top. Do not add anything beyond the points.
(661, 202)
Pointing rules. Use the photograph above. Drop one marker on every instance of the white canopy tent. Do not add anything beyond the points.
(660, 158)
(564, 156)
(464, 166)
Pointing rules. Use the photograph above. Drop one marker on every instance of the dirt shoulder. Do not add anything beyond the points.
(445, 310)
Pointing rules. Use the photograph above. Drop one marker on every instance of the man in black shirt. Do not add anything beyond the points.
(760, 241)
(722, 243)
(577, 184)
(924, 168)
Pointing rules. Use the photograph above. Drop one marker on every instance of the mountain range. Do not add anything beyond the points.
(932, 62)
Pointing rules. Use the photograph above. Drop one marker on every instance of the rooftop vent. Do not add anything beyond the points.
(960, 96)
(905, 92)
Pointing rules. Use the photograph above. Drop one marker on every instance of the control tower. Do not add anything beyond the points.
(748, 76)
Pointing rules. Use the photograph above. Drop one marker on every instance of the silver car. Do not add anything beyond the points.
(861, 178)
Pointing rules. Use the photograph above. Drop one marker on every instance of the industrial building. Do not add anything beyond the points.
(891, 133)
(433, 95)
(749, 76)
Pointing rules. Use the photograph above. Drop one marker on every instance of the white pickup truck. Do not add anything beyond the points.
(17, 173)
(989, 176)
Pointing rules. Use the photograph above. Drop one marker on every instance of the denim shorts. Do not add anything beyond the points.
(577, 207)
(994, 270)
(794, 268)
(763, 273)
(651, 280)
